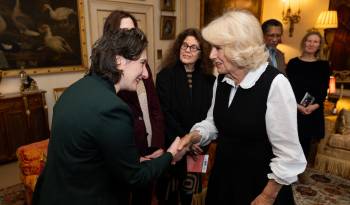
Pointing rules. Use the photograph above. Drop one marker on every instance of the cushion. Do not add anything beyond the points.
(342, 124)
(340, 141)
(32, 157)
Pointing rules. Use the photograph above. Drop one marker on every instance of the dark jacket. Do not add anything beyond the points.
(182, 106)
(92, 157)
(155, 115)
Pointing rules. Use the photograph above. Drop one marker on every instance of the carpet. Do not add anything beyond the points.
(315, 188)
(13, 195)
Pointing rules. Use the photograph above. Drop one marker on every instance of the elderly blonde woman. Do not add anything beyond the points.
(252, 116)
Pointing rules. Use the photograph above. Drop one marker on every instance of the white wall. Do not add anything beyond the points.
(310, 9)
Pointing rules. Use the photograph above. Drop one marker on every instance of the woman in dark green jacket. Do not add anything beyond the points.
(92, 157)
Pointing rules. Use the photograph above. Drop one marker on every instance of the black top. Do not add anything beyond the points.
(182, 105)
(311, 77)
(244, 151)
(92, 156)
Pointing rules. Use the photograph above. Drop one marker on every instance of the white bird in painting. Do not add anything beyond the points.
(60, 13)
(22, 21)
(55, 43)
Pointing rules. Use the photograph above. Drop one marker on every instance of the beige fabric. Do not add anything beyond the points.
(333, 154)
(333, 165)
(340, 141)
(342, 125)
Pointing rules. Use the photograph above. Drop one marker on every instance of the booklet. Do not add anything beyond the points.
(307, 100)
(199, 165)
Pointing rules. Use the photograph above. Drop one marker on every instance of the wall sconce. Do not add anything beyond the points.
(289, 17)
(326, 20)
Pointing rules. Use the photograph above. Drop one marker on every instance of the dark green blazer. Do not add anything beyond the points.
(92, 157)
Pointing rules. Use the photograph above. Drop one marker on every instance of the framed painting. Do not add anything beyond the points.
(42, 36)
(210, 9)
(167, 27)
(338, 39)
(167, 5)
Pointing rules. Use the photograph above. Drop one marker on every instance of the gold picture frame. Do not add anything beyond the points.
(167, 5)
(167, 27)
(68, 54)
(211, 9)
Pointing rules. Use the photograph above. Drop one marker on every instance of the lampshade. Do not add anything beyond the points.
(327, 19)
(331, 87)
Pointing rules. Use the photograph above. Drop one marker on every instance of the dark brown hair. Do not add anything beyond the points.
(129, 43)
(203, 61)
(114, 19)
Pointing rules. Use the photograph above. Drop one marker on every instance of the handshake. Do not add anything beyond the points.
(189, 142)
(179, 148)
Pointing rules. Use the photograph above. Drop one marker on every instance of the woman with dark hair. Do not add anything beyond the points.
(145, 106)
(92, 157)
(309, 74)
(184, 87)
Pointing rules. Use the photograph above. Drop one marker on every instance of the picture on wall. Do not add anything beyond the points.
(167, 27)
(167, 5)
(210, 9)
(340, 51)
(42, 36)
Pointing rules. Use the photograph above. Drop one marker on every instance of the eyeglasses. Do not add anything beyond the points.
(193, 48)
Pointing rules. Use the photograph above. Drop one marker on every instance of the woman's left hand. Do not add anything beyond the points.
(310, 108)
(263, 199)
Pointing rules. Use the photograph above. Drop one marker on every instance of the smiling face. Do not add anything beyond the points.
(312, 44)
(133, 71)
(220, 61)
(189, 51)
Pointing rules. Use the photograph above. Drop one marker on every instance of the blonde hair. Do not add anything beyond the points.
(240, 35)
(303, 41)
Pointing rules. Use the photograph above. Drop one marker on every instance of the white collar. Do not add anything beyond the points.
(250, 79)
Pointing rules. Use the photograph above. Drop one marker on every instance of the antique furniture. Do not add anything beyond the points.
(333, 153)
(23, 120)
(31, 160)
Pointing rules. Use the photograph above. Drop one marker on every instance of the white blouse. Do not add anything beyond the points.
(281, 125)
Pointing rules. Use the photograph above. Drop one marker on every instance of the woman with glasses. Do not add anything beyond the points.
(184, 88)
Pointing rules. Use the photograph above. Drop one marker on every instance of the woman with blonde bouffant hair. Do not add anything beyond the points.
(252, 116)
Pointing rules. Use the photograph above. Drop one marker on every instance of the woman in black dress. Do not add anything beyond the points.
(184, 88)
(252, 116)
(309, 74)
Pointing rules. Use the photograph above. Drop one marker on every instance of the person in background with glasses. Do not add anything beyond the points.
(184, 88)
(273, 30)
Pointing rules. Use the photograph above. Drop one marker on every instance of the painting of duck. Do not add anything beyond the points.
(39, 34)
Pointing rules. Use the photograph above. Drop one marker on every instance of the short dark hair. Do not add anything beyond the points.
(173, 56)
(114, 19)
(271, 22)
(129, 43)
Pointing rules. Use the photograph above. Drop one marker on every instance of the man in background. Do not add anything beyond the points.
(273, 31)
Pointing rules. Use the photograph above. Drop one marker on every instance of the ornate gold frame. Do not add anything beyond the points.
(83, 66)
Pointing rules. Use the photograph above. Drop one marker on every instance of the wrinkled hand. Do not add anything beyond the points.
(188, 140)
(179, 155)
(195, 150)
(263, 199)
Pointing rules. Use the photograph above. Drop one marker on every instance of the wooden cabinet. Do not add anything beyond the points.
(23, 120)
